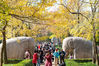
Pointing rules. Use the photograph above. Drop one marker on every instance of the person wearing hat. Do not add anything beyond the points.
(56, 55)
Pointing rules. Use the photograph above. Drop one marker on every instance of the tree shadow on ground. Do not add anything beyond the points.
(82, 61)
(13, 61)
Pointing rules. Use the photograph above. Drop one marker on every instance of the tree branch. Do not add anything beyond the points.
(74, 12)
(18, 16)
(87, 2)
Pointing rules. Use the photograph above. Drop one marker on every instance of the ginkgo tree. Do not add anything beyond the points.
(4, 18)
(31, 18)
(61, 22)
(85, 28)
(20, 10)
(83, 22)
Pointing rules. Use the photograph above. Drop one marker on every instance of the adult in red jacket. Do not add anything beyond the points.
(34, 61)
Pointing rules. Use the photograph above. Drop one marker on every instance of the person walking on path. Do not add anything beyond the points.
(48, 57)
(53, 48)
(62, 56)
(27, 54)
(34, 60)
(38, 58)
(56, 55)
(41, 55)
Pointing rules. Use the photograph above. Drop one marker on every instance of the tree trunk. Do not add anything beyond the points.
(4, 53)
(93, 54)
(4, 46)
(94, 47)
(97, 60)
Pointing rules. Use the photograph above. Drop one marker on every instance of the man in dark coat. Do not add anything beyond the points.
(62, 56)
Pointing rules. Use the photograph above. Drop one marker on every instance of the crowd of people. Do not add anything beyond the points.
(46, 54)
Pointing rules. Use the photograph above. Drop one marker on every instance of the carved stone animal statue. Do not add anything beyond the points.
(16, 47)
(80, 47)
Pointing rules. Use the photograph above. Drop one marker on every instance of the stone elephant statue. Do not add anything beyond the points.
(80, 47)
(16, 47)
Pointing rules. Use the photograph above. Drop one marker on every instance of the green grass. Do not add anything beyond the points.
(19, 63)
(69, 62)
(79, 62)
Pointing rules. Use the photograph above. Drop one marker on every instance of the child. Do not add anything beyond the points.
(71, 57)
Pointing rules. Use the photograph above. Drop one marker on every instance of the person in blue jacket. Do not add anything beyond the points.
(56, 55)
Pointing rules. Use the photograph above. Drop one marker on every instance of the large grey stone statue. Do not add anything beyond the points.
(80, 47)
(16, 47)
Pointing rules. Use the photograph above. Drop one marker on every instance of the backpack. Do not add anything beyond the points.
(62, 54)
